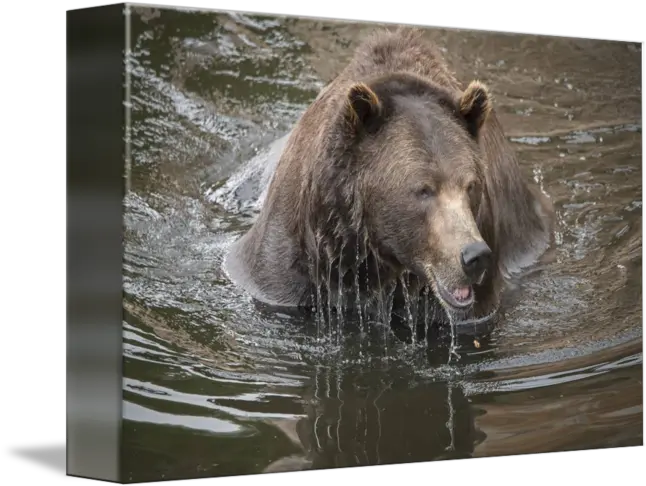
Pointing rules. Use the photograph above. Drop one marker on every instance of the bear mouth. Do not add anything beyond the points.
(458, 297)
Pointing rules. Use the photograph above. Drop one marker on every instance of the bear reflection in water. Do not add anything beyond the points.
(361, 419)
(397, 195)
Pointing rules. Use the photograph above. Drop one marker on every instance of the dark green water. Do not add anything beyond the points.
(214, 387)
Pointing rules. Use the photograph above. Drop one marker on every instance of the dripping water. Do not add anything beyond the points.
(318, 290)
(329, 295)
(428, 319)
(366, 303)
(357, 289)
(382, 306)
(453, 346)
(358, 297)
(426, 297)
(370, 316)
(389, 309)
(408, 308)
(452, 352)
(315, 303)
(340, 306)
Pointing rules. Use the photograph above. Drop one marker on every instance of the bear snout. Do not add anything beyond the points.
(476, 259)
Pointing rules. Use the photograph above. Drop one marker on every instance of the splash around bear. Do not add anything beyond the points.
(396, 186)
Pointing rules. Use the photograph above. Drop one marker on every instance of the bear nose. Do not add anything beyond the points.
(476, 258)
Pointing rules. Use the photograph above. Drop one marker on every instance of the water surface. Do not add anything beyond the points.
(213, 386)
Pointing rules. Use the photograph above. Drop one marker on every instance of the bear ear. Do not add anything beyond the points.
(475, 106)
(364, 107)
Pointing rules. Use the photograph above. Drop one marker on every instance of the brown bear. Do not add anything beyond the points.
(396, 181)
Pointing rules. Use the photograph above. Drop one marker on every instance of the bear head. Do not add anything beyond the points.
(408, 179)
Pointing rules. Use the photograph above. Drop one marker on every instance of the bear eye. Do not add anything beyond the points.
(425, 192)
(471, 187)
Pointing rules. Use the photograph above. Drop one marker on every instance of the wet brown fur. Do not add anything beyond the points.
(329, 203)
